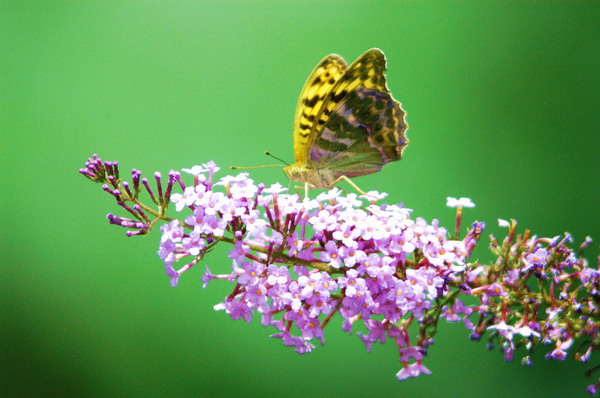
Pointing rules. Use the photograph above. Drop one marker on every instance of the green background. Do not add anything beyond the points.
(503, 106)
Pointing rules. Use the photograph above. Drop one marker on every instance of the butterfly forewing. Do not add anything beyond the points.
(316, 88)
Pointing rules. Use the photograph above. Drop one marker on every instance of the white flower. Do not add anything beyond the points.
(374, 195)
(462, 202)
(276, 188)
(196, 170)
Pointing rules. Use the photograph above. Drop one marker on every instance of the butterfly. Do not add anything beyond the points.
(347, 123)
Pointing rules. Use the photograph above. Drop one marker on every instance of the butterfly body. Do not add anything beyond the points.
(347, 122)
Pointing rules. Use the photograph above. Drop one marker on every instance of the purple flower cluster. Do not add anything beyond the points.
(107, 173)
(563, 307)
(299, 262)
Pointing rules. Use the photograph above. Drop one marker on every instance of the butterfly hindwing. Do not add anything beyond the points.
(368, 71)
(316, 88)
(363, 133)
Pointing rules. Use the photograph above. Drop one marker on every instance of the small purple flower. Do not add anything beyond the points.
(194, 243)
(403, 243)
(256, 295)
(509, 351)
(585, 357)
(314, 283)
(560, 351)
(589, 274)
(493, 290)
(352, 283)
(592, 389)
(236, 309)
(323, 221)
(348, 201)
(294, 244)
(255, 225)
(277, 275)
(402, 292)
(230, 211)
(302, 345)
(412, 370)
(172, 234)
(250, 273)
(310, 328)
(293, 296)
(371, 265)
(536, 260)
(173, 274)
(512, 276)
(351, 255)
(458, 308)
(207, 277)
(318, 305)
(214, 225)
(239, 251)
(211, 167)
(419, 304)
(412, 352)
(376, 333)
(332, 255)
(347, 235)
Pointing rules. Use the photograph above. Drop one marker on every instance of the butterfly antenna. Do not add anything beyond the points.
(255, 167)
(276, 158)
(260, 167)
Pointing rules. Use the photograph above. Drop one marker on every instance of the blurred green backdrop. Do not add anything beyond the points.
(503, 106)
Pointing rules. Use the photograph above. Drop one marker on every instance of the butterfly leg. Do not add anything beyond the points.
(306, 187)
(349, 181)
(298, 189)
(344, 178)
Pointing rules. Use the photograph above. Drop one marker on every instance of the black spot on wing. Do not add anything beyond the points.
(336, 98)
(376, 120)
(311, 102)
